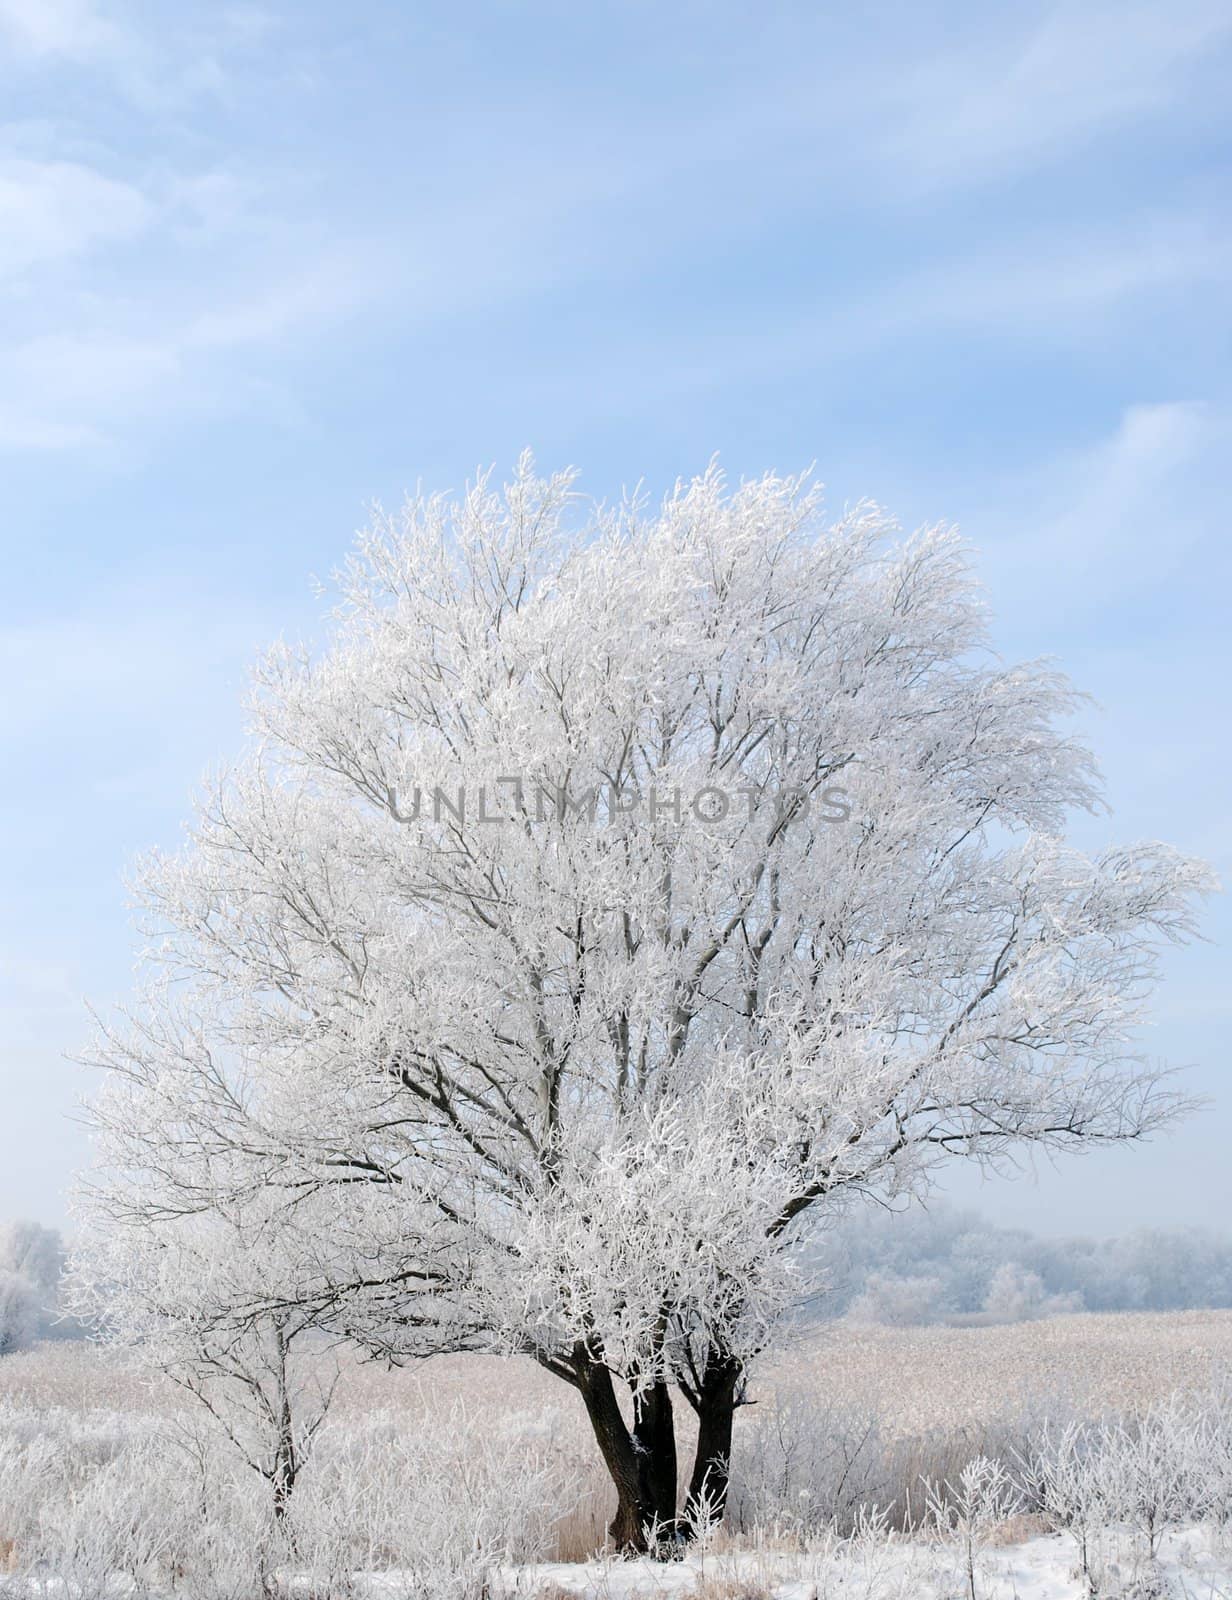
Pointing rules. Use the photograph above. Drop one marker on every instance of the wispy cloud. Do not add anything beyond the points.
(1037, 279)
(236, 258)
(1070, 288)
(65, 390)
(53, 210)
(1112, 519)
(76, 29)
(1042, 88)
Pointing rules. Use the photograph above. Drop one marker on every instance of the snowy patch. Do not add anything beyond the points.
(1189, 1567)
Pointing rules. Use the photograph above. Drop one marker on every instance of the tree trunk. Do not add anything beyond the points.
(286, 1458)
(654, 1442)
(715, 1403)
(286, 1469)
(634, 1512)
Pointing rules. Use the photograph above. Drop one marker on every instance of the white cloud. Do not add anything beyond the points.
(1040, 279)
(62, 391)
(1115, 487)
(234, 263)
(928, 104)
(50, 210)
(72, 28)
(1110, 487)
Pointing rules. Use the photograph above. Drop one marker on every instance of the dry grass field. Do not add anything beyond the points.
(920, 1378)
(913, 1379)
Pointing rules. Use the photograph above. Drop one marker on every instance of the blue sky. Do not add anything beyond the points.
(261, 266)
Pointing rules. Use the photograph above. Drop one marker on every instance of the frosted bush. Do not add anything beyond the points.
(440, 1504)
(1218, 1448)
(144, 1506)
(803, 1465)
(1017, 1295)
(899, 1302)
(102, 1500)
(19, 1312)
(1066, 1477)
(968, 1510)
(428, 1500)
(1158, 1470)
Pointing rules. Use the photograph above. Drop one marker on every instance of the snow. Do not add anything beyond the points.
(1192, 1565)
(1189, 1567)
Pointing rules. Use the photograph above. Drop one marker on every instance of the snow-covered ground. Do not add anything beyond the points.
(1188, 1567)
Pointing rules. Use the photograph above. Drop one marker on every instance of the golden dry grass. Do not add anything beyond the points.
(914, 1379)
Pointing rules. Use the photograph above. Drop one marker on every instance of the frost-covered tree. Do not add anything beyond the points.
(36, 1252)
(31, 1262)
(209, 1293)
(899, 1302)
(19, 1312)
(612, 895)
(1016, 1295)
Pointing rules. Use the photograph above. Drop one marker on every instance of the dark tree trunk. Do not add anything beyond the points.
(714, 1400)
(283, 1485)
(286, 1462)
(654, 1441)
(634, 1511)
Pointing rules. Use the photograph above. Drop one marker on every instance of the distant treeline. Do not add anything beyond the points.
(943, 1265)
(951, 1265)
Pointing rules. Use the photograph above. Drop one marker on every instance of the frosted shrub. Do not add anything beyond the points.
(898, 1302)
(429, 1500)
(149, 1506)
(101, 1500)
(1218, 1449)
(439, 1505)
(123, 1525)
(968, 1509)
(803, 1465)
(1162, 1470)
(19, 1312)
(1067, 1477)
(1158, 1470)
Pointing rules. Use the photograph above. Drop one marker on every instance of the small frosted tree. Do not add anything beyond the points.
(206, 1285)
(612, 896)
